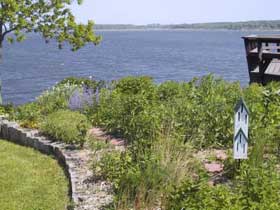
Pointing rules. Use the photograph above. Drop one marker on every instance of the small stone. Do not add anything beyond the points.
(214, 167)
(221, 155)
(117, 142)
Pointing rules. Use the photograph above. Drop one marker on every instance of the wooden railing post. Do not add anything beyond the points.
(261, 63)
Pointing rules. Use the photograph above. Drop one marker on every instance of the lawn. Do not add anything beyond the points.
(30, 180)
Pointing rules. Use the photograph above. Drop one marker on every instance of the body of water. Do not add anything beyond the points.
(32, 66)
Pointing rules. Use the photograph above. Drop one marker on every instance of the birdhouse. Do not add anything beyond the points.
(241, 118)
(240, 145)
(241, 125)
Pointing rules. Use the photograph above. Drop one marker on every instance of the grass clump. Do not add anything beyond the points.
(67, 126)
(142, 178)
(30, 180)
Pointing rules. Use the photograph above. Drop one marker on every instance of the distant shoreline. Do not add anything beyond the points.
(185, 29)
(263, 25)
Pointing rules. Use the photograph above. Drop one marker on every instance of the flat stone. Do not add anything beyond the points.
(117, 142)
(221, 155)
(214, 167)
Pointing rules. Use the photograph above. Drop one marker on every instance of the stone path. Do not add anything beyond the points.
(213, 161)
(100, 135)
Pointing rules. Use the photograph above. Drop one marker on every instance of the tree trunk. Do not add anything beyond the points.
(1, 62)
(1, 42)
(1, 58)
(1, 52)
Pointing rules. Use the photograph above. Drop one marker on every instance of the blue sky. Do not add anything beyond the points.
(176, 11)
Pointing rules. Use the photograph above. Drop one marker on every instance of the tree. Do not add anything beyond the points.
(51, 18)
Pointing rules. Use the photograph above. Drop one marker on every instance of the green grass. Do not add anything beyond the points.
(30, 180)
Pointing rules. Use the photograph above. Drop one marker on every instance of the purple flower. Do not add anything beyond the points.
(84, 97)
(75, 102)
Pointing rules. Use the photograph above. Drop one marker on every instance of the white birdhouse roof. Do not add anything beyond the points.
(238, 105)
(240, 131)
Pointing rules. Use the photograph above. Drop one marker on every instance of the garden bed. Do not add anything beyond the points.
(172, 133)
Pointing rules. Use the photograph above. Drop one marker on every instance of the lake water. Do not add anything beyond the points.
(33, 66)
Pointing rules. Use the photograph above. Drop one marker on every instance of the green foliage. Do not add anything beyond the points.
(253, 185)
(255, 188)
(56, 98)
(144, 179)
(52, 19)
(7, 109)
(196, 195)
(127, 110)
(259, 187)
(67, 126)
(31, 114)
(28, 114)
(88, 83)
(199, 111)
(162, 124)
(135, 85)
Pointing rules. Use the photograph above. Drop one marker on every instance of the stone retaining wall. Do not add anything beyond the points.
(86, 193)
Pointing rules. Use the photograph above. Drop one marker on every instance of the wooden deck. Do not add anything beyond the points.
(263, 57)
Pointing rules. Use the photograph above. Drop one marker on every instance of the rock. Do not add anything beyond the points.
(117, 142)
(221, 155)
(214, 167)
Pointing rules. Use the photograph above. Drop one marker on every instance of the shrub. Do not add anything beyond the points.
(67, 126)
(86, 82)
(128, 110)
(8, 110)
(254, 188)
(198, 195)
(135, 85)
(199, 112)
(142, 178)
(28, 114)
(56, 98)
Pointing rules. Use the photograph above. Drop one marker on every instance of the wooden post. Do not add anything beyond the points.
(261, 64)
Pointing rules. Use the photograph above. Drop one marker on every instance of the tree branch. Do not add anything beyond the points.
(8, 31)
(5, 27)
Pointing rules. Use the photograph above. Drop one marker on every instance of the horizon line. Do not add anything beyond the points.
(213, 22)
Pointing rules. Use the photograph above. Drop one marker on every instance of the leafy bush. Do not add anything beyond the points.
(56, 98)
(144, 179)
(255, 184)
(254, 188)
(87, 82)
(28, 114)
(7, 109)
(67, 126)
(199, 111)
(127, 111)
(135, 85)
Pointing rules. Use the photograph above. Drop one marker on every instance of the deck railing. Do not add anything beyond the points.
(260, 52)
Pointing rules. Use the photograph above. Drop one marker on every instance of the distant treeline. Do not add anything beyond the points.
(248, 25)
